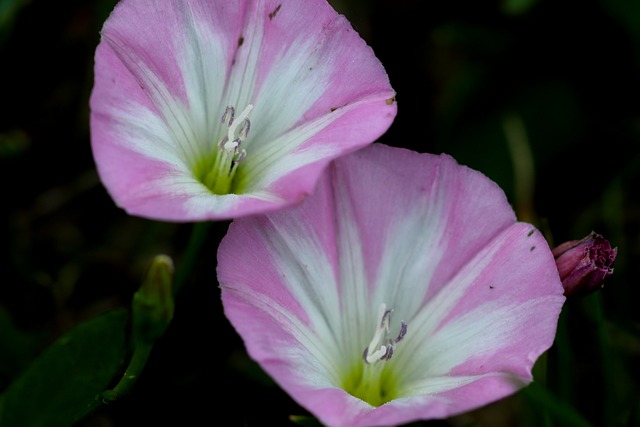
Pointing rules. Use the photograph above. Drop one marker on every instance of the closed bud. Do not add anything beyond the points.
(584, 264)
(153, 303)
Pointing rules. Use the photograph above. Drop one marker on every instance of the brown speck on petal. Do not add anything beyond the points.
(275, 12)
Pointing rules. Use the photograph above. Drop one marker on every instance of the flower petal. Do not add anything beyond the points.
(490, 322)
(166, 71)
(438, 243)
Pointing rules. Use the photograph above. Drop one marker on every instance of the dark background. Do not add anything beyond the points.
(469, 76)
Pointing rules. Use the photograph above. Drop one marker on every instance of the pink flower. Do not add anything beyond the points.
(584, 264)
(215, 109)
(403, 289)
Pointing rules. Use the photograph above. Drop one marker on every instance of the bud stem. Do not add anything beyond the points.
(136, 365)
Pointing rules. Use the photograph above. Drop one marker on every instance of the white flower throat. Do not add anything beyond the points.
(380, 348)
(230, 152)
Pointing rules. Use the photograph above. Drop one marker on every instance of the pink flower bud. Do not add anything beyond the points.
(584, 264)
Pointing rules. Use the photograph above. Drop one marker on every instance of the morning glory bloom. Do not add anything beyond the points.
(215, 109)
(403, 289)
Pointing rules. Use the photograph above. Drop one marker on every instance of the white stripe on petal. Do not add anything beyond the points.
(444, 301)
(289, 71)
(358, 310)
(192, 130)
(442, 384)
(311, 355)
(244, 69)
(173, 112)
(143, 131)
(270, 162)
(203, 64)
(415, 247)
(308, 275)
(490, 328)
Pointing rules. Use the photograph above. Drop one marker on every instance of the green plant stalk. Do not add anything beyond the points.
(136, 365)
(129, 378)
(199, 233)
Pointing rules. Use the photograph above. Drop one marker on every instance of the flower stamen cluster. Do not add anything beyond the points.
(376, 350)
(230, 153)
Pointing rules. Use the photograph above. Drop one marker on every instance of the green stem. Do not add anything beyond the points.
(199, 233)
(136, 365)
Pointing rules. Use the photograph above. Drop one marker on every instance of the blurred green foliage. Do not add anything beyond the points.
(8, 11)
(541, 96)
(66, 380)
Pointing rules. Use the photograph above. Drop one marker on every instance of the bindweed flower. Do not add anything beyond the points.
(403, 289)
(584, 264)
(215, 109)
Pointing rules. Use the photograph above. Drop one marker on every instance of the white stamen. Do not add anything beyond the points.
(376, 351)
(237, 132)
(376, 355)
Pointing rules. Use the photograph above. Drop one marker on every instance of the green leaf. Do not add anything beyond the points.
(60, 387)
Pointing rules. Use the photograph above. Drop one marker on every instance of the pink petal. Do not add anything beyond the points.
(438, 243)
(166, 70)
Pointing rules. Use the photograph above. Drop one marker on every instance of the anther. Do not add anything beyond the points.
(403, 332)
(388, 353)
(227, 116)
(243, 131)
